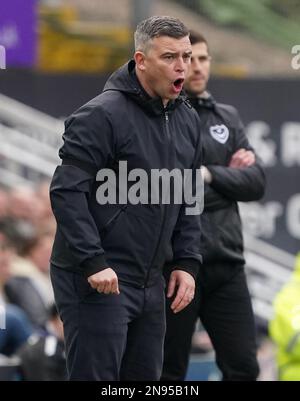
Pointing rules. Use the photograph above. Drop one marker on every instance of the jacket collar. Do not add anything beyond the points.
(206, 101)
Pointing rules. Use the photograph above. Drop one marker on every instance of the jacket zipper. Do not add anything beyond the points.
(166, 126)
(112, 220)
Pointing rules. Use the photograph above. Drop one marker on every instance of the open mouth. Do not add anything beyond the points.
(178, 84)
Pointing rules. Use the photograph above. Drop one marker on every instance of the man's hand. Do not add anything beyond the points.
(242, 158)
(206, 175)
(185, 292)
(105, 281)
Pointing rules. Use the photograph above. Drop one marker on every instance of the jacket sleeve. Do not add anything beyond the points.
(186, 240)
(88, 146)
(186, 244)
(239, 184)
(214, 200)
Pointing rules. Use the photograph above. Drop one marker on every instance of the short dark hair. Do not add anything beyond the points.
(196, 37)
(157, 26)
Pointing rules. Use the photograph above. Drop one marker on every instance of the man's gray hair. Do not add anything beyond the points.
(157, 26)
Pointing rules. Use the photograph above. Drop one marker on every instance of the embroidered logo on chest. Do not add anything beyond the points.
(219, 132)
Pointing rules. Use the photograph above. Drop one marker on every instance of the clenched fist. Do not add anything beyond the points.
(105, 281)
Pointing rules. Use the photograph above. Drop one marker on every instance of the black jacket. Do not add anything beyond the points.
(124, 123)
(222, 135)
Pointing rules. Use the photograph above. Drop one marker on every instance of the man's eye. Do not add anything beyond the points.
(169, 57)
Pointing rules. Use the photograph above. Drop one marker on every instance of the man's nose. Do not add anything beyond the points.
(196, 66)
(180, 65)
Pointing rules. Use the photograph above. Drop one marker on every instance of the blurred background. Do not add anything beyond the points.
(58, 54)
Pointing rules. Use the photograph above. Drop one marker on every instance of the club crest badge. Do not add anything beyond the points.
(220, 133)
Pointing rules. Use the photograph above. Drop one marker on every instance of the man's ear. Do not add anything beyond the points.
(139, 58)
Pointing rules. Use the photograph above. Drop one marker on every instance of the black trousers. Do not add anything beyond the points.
(110, 337)
(222, 302)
